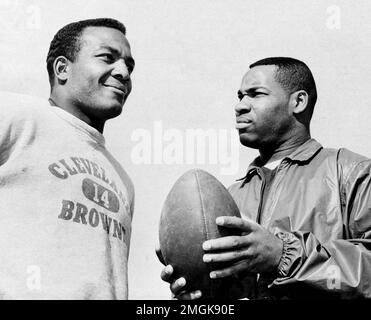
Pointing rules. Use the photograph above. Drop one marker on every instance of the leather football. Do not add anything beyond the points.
(187, 220)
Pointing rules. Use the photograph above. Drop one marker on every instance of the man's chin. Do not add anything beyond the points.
(114, 111)
(247, 141)
(108, 111)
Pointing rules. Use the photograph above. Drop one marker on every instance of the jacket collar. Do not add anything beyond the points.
(306, 151)
(303, 153)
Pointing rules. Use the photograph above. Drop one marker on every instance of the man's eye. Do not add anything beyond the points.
(257, 93)
(252, 94)
(107, 57)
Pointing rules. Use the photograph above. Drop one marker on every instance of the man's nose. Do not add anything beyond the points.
(121, 70)
(243, 106)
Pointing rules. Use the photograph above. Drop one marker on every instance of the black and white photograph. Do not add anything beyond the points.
(214, 150)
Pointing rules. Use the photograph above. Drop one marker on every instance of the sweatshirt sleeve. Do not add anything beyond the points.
(16, 122)
(8, 125)
(340, 267)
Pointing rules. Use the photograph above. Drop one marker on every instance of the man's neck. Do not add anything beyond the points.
(282, 150)
(98, 125)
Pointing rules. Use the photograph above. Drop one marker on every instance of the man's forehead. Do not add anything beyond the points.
(102, 37)
(260, 75)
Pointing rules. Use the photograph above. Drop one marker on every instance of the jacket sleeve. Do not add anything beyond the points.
(341, 267)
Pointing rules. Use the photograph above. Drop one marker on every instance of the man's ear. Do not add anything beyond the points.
(60, 67)
(299, 101)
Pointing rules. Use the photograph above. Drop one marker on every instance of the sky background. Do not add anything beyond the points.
(190, 58)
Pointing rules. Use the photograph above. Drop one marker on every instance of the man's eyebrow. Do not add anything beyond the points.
(252, 89)
(113, 50)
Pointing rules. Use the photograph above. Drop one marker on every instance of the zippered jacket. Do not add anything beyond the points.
(319, 204)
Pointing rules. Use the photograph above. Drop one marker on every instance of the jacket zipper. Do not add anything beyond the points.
(256, 285)
(258, 217)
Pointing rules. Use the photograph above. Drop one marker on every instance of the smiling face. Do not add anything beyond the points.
(98, 81)
(263, 115)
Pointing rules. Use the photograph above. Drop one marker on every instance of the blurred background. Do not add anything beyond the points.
(190, 58)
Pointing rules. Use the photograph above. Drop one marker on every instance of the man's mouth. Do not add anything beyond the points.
(117, 88)
(242, 123)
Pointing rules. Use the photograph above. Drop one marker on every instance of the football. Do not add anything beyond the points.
(187, 220)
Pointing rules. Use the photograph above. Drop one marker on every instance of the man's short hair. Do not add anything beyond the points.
(293, 75)
(67, 43)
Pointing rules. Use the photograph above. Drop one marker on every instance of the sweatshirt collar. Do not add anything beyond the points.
(79, 124)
